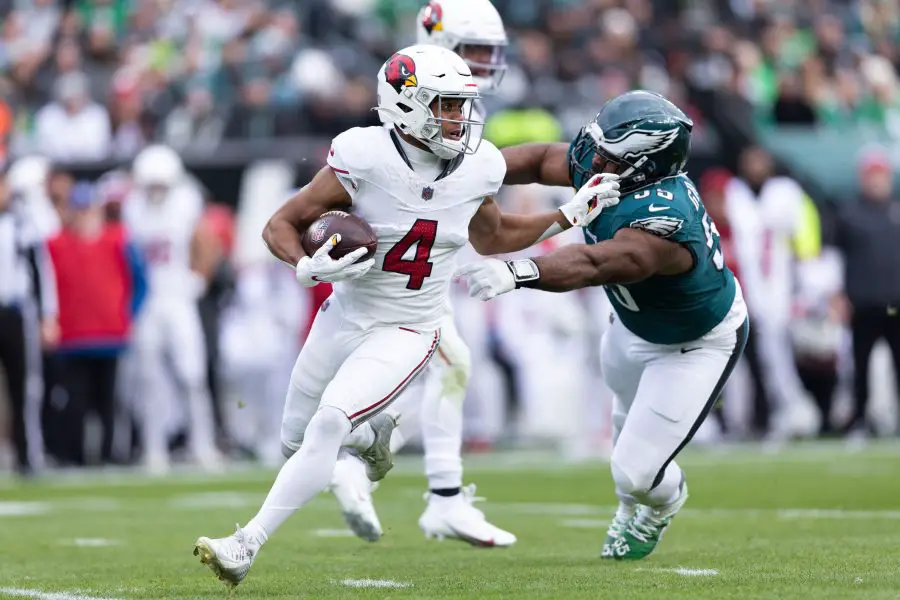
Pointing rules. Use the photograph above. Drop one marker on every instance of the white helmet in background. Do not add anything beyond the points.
(28, 174)
(412, 85)
(471, 28)
(157, 166)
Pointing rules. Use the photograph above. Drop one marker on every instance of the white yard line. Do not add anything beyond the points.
(39, 595)
(23, 509)
(333, 533)
(788, 514)
(685, 572)
(91, 543)
(373, 583)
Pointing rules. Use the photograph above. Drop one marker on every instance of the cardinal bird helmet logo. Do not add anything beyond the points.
(433, 17)
(400, 72)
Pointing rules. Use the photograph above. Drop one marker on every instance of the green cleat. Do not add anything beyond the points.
(624, 514)
(641, 536)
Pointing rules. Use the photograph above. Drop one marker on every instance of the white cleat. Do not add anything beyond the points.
(378, 458)
(456, 518)
(229, 558)
(353, 491)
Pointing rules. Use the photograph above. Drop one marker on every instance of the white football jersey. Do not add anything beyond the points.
(420, 225)
(163, 232)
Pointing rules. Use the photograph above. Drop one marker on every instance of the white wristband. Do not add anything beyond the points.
(554, 229)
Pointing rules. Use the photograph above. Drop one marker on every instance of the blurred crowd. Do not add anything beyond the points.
(82, 80)
(124, 361)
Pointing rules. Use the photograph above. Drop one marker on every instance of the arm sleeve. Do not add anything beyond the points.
(43, 279)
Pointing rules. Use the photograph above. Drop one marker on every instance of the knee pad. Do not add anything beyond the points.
(328, 422)
(630, 478)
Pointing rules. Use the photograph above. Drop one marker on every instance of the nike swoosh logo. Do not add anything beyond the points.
(655, 208)
(686, 350)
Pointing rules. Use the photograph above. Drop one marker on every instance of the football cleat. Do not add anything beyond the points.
(624, 514)
(456, 518)
(641, 536)
(353, 491)
(229, 558)
(378, 457)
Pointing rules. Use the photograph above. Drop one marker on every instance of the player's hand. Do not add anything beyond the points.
(487, 279)
(601, 191)
(312, 270)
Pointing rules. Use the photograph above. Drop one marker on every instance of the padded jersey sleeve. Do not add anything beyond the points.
(350, 158)
(660, 218)
(494, 166)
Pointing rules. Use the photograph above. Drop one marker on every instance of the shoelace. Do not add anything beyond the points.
(619, 523)
(243, 551)
(645, 526)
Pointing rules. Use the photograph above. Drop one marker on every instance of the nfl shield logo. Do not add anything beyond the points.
(427, 192)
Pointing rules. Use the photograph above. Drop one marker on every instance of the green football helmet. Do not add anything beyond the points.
(644, 135)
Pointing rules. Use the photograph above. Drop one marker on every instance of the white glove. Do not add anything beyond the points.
(312, 270)
(601, 191)
(487, 279)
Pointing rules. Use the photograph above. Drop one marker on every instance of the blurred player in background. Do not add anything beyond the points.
(681, 323)
(771, 216)
(426, 187)
(473, 30)
(162, 213)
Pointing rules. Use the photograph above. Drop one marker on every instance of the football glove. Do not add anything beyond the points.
(312, 270)
(491, 277)
(601, 191)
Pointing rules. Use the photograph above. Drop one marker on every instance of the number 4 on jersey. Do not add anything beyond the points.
(422, 235)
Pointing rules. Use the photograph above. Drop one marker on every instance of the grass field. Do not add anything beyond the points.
(810, 522)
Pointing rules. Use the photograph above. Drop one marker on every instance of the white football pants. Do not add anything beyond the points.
(170, 354)
(662, 395)
(358, 371)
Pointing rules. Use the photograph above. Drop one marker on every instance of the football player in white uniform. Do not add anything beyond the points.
(426, 187)
(474, 30)
(162, 214)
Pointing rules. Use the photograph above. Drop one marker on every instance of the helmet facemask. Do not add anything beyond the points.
(423, 115)
(487, 60)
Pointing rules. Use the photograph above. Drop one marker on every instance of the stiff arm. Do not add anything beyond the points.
(545, 163)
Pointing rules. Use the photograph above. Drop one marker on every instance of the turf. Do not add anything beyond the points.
(809, 522)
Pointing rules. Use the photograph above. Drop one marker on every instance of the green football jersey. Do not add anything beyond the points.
(670, 309)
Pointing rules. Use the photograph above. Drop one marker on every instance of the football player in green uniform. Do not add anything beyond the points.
(680, 320)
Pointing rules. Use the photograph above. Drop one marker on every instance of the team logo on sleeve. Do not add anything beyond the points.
(660, 226)
(433, 17)
(400, 72)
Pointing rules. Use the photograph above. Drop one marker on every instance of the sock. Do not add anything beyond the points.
(361, 438)
(446, 492)
(303, 476)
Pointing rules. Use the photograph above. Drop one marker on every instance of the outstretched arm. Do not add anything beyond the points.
(495, 232)
(537, 163)
(631, 256)
(282, 232)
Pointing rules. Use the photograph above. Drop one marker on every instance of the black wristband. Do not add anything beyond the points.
(525, 272)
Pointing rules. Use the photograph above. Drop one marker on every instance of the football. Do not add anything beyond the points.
(355, 233)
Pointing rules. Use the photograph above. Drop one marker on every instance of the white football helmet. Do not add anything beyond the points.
(418, 77)
(28, 174)
(157, 166)
(471, 28)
